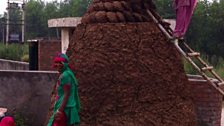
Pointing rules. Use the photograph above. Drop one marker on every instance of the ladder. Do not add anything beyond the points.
(190, 54)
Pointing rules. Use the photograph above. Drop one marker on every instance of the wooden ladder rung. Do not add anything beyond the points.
(207, 68)
(167, 31)
(211, 79)
(193, 54)
(221, 83)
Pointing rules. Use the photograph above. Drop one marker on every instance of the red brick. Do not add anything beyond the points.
(46, 51)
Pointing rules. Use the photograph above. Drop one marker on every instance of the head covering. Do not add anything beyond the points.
(63, 58)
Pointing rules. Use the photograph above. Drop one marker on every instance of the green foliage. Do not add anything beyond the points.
(38, 13)
(206, 29)
(164, 8)
(25, 58)
(189, 68)
(19, 119)
(217, 63)
(36, 24)
(73, 8)
(13, 51)
(219, 68)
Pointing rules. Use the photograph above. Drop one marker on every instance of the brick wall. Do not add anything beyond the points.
(208, 102)
(47, 49)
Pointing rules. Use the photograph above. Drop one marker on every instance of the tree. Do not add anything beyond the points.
(73, 8)
(51, 10)
(165, 9)
(2, 27)
(35, 23)
(38, 13)
(205, 32)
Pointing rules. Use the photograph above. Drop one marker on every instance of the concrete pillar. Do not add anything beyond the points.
(67, 26)
(64, 39)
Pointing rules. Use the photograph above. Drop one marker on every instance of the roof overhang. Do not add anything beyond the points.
(68, 22)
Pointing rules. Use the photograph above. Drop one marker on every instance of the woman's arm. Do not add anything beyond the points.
(60, 111)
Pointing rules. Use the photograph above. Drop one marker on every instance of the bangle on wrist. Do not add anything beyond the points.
(58, 111)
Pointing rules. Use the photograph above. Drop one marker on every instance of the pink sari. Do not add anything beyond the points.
(7, 121)
(184, 11)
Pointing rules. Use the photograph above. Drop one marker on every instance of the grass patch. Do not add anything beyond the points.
(19, 120)
(14, 51)
(218, 66)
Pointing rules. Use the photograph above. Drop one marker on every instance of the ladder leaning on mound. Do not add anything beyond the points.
(205, 69)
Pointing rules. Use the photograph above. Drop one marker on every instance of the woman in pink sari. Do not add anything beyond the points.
(184, 10)
(6, 120)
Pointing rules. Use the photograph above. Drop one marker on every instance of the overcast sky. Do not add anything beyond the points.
(3, 4)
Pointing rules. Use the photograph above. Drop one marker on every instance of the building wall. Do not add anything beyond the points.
(27, 93)
(13, 65)
(47, 50)
(208, 102)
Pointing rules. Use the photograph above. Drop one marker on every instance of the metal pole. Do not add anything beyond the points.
(3, 31)
(7, 24)
(23, 21)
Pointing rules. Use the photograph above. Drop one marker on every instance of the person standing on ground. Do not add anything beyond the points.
(67, 103)
(184, 10)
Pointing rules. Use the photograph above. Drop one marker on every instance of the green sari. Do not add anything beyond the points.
(73, 104)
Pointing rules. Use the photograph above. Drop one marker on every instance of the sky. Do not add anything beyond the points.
(3, 5)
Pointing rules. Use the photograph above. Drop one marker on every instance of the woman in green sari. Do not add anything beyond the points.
(67, 103)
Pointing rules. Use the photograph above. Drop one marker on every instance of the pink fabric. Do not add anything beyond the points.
(183, 17)
(56, 96)
(59, 59)
(61, 122)
(180, 3)
(7, 121)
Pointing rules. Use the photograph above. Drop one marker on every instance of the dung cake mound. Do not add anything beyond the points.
(129, 74)
(102, 11)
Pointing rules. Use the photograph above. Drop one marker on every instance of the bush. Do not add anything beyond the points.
(13, 51)
(189, 69)
(19, 119)
(25, 58)
(218, 64)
